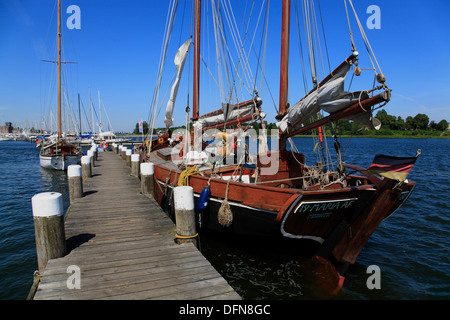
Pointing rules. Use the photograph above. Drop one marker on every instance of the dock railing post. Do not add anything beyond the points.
(75, 182)
(135, 165)
(128, 157)
(185, 214)
(49, 231)
(91, 154)
(86, 167)
(94, 149)
(147, 171)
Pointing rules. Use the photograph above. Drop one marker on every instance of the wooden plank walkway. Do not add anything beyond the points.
(124, 245)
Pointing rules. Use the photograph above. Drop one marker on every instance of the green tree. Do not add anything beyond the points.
(388, 121)
(410, 123)
(442, 125)
(433, 125)
(144, 127)
(421, 121)
(382, 116)
(398, 124)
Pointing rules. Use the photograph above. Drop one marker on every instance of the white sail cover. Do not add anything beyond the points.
(331, 97)
(180, 59)
(230, 113)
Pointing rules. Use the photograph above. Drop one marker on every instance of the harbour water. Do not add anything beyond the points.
(411, 248)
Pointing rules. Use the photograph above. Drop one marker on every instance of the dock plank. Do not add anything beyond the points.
(124, 245)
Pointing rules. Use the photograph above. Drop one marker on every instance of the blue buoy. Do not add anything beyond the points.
(204, 198)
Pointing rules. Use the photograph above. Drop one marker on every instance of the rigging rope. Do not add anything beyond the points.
(167, 35)
(366, 40)
(183, 180)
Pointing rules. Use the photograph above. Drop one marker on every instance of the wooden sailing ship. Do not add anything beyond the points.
(335, 212)
(59, 154)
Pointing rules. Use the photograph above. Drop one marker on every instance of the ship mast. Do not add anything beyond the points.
(284, 66)
(59, 70)
(196, 87)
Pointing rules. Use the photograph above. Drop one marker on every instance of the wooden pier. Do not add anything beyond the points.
(123, 245)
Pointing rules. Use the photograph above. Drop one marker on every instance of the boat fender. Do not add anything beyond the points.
(203, 200)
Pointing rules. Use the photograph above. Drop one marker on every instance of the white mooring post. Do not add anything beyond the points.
(86, 171)
(49, 231)
(128, 157)
(185, 214)
(147, 171)
(91, 154)
(135, 165)
(75, 182)
(94, 149)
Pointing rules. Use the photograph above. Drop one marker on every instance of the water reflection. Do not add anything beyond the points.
(55, 181)
(263, 268)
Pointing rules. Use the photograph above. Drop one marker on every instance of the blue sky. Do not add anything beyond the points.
(118, 47)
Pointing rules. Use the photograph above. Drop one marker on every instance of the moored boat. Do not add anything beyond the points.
(274, 193)
(58, 154)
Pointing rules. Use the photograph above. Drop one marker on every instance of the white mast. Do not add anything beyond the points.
(92, 111)
(99, 114)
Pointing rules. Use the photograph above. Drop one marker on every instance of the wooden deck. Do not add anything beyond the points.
(124, 245)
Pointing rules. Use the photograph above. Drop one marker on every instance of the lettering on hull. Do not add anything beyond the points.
(324, 206)
(308, 217)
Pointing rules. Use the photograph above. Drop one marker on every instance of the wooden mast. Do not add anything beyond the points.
(284, 66)
(195, 100)
(284, 59)
(59, 70)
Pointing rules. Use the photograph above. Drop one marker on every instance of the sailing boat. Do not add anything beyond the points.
(59, 154)
(106, 137)
(334, 212)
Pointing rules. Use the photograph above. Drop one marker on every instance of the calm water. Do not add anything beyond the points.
(411, 248)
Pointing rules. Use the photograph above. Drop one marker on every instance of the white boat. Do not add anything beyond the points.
(109, 137)
(60, 160)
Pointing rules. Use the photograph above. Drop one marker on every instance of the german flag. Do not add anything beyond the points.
(396, 168)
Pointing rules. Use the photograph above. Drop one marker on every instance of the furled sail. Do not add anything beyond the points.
(180, 59)
(230, 113)
(330, 97)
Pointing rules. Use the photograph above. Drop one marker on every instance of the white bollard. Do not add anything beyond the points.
(94, 149)
(135, 165)
(147, 172)
(184, 214)
(128, 157)
(48, 217)
(90, 153)
(75, 182)
(86, 167)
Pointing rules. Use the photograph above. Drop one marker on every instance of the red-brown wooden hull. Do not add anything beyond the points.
(338, 220)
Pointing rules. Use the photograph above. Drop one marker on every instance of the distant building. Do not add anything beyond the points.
(7, 128)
